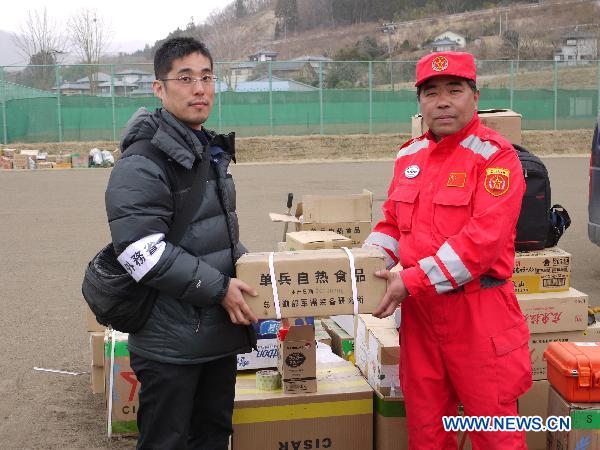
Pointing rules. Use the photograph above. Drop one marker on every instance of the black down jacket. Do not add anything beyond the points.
(188, 325)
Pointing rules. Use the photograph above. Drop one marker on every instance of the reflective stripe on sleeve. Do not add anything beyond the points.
(454, 265)
(383, 240)
(389, 261)
(413, 148)
(141, 256)
(435, 275)
(479, 147)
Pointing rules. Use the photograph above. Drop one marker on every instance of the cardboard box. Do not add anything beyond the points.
(44, 165)
(97, 348)
(265, 356)
(321, 334)
(547, 270)
(389, 418)
(535, 403)
(62, 159)
(342, 344)
(97, 379)
(62, 165)
(316, 240)
(539, 342)
(21, 162)
(33, 153)
(6, 164)
(348, 215)
(585, 423)
(122, 400)
(90, 321)
(551, 312)
(365, 322)
(504, 121)
(383, 360)
(337, 417)
(297, 359)
(313, 282)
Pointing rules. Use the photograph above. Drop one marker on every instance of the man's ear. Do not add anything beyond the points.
(159, 88)
(476, 95)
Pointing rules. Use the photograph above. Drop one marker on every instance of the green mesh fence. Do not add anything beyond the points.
(81, 103)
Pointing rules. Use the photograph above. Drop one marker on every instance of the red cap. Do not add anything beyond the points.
(458, 64)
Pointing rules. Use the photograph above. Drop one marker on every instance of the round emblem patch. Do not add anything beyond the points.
(412, 171)
(439, 63)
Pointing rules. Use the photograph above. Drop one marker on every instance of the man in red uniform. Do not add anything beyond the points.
(450, 221)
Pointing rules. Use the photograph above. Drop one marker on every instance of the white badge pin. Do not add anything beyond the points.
(412, 171)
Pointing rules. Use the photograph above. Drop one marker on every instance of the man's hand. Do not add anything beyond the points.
(395, 293)
(235, 305)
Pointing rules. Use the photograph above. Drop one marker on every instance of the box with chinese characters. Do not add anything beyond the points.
(547, 270)
(313, 282)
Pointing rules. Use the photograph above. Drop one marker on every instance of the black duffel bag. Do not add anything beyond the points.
(113, 295)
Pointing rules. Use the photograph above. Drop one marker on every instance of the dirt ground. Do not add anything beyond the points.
(53, 221)
(347, 147)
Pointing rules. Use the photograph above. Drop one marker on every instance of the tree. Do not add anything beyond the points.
(40, 43)
(286, 12)
(240, 9)
(89, 37)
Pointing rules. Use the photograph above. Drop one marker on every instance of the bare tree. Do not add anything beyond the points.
(90, 37)
(41, 44)
(226, 47)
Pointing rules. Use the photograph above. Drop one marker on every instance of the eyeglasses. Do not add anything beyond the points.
(186, 80)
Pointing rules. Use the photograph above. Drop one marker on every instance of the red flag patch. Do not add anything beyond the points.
(457, 179)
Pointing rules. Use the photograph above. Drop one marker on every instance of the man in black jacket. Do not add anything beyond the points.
(185, 355)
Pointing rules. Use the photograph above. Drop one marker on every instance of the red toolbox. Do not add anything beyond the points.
(574, 370)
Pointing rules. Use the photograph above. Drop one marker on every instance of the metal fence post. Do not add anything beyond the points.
(112, 100)
(4, 128)
(271, 98)
(512, 83)
(371, 97)
(321, 97)
(598, 86)
(219, 85)
(58, 106)
(555, 94)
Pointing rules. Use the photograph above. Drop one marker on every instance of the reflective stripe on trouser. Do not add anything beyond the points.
(470, 348)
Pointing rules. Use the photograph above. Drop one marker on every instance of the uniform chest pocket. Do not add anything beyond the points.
(451, 210)
(404, 199)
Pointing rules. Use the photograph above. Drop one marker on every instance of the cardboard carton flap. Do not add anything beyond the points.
(307, 237)
(283, 218)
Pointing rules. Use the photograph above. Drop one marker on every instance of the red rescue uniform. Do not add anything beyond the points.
(450, 221)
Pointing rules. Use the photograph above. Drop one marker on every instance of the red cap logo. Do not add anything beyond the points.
(439, 64)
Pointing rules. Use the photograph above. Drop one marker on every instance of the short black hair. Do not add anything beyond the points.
(470, 82)
(176, 48)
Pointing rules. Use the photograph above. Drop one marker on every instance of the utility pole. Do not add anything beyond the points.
(390, 28)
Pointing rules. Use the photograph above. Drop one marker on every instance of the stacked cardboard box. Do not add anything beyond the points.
(342, 344)
(35, 159)
(338, 416)
(96, 339)
(315, 240)
(365, 323)
(313, 282)
(585, 424)
(555, 312)
(348, 215)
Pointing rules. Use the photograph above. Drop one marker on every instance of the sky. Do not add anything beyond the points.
(133, 23)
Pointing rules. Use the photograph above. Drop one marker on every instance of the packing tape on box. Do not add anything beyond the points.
(276, 293)
(268, 380)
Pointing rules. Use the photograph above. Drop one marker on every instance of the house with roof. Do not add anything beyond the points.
(444, 45)
(452, 36)
(577, 46)
(263, 56)
(132, 75)
(263, 84)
